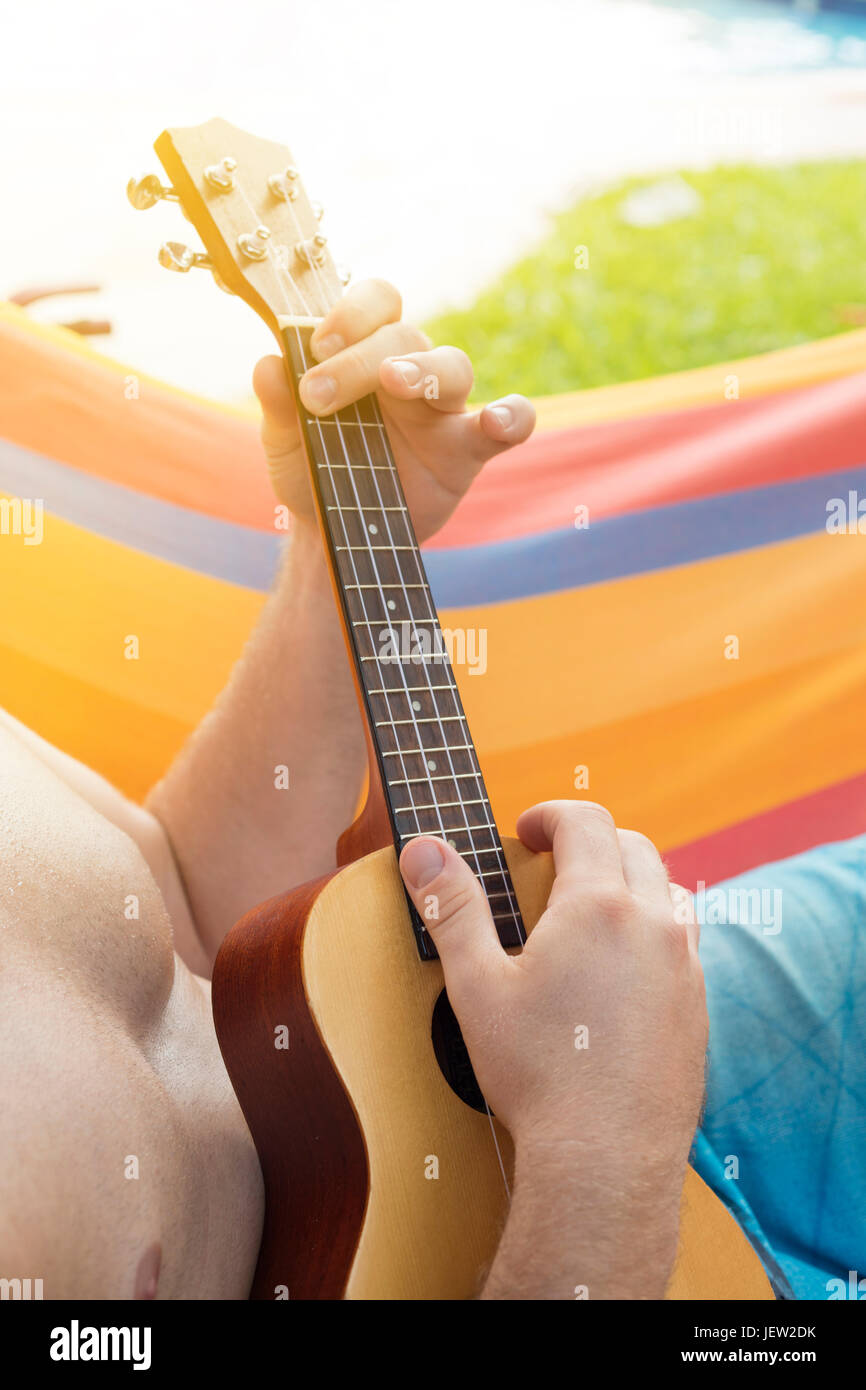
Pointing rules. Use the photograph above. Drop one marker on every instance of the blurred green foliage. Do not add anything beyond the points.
(773, 256)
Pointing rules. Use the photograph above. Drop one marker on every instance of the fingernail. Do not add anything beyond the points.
(328, 346)
(421, 862)
(504, 415)
(409, 371)
(317, 392)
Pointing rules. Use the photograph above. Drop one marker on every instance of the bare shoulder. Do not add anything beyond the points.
(63, 788)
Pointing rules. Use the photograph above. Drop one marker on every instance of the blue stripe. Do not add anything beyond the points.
(238, 554)
(550, 561)
(636, 543)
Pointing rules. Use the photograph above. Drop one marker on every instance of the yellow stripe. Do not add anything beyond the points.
(804, 365)
(74, 600)
(128, 743)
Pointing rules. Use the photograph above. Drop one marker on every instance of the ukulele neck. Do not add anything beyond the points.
(431, 778)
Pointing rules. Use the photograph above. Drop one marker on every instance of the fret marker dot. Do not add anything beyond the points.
(431, 765)
(416, 704)
(391, 604)
(452, 843)
(372, 528)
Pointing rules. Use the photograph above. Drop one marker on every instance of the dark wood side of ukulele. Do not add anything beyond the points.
(310, 1146)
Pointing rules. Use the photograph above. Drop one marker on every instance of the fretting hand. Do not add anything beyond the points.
(439, 446)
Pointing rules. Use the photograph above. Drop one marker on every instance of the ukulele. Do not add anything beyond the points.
(386, 1175)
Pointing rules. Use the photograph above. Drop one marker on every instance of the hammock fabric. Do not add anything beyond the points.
(610, 646)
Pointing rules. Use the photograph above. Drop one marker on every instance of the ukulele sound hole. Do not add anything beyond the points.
(453, 1056)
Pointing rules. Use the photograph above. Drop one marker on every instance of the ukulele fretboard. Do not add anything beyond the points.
(429, 768)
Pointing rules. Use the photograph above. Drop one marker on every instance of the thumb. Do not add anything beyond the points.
(453, 908)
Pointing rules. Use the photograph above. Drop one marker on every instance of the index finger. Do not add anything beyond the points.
(362, 309)
(584, 841)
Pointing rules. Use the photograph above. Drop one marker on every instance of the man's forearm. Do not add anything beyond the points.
(579, 1229)
(238, 833)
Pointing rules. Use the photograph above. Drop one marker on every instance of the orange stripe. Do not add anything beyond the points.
(692, 768)
(90, 413)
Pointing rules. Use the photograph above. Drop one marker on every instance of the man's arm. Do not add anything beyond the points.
(236, 837)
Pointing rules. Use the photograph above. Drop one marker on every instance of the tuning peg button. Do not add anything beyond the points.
(147, 190)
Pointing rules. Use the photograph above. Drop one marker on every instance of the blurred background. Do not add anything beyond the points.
(707, 155)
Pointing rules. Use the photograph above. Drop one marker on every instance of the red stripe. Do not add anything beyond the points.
(834, 813)
(654, 460)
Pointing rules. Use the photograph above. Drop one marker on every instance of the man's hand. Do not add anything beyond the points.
(602, 1119)
(362, 347)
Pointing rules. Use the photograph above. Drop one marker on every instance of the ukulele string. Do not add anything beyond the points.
(475, 774)
(302, 298)
(349, 549)
(386, 622)
(323, 292)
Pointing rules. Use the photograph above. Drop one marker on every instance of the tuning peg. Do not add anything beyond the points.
(147, 190)
(221, 176)
(254, 245)
(318, 211)
(344, 274)
(173, 255)
(285, 185)
(312, 251)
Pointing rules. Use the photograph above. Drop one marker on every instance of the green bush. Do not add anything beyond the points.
(771, 258)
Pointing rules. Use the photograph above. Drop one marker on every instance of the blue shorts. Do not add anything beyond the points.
(783, 1137)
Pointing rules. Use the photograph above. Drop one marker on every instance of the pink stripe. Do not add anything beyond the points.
(834, 813)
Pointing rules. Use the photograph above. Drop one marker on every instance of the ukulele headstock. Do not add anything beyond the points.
(261, 234)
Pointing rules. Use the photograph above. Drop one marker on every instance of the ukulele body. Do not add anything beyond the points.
(380, 1182)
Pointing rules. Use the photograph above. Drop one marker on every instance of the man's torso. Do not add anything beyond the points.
(122, 1143)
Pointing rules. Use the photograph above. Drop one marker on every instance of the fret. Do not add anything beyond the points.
(391, 622)
(446, 806)
(411, 752)
(431, 719)
(384, 622)
(365, 549)
(438, 777)
(450, 834)
(345, 424)
(478, 850)
(373, 507)
(414, 690)
(328, 464)
(410, 659)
